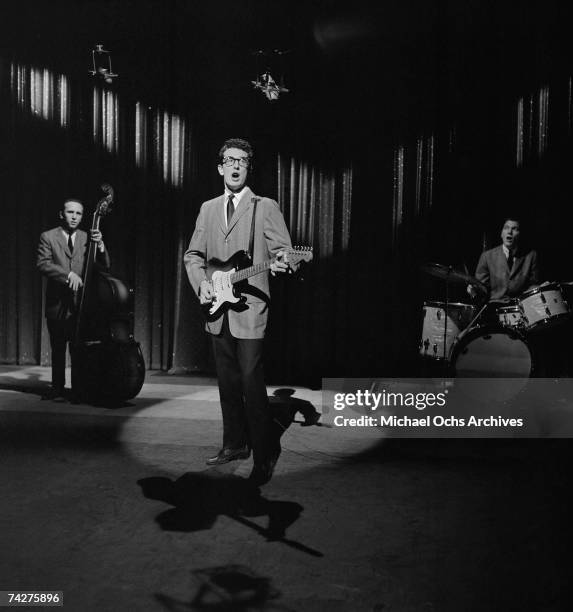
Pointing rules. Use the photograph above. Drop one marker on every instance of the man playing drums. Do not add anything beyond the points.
(511, 276)
(505, 270)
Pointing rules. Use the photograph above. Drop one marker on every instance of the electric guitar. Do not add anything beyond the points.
(224, 275)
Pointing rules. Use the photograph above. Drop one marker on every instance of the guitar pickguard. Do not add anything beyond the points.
(223, 291)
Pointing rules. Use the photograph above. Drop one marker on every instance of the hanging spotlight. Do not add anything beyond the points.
(264, 81)
(101, 62)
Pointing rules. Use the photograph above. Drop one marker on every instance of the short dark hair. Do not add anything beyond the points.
(515, 218)
(76, 200)
(237, 143)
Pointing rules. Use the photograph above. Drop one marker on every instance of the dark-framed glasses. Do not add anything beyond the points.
(230, 161)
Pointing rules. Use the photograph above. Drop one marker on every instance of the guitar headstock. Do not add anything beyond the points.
(299, 253)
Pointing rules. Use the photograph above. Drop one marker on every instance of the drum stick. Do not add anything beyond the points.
(474, 319)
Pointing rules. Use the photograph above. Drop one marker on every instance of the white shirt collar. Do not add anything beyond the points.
(506, 251)
(236, 196)
(67, 235)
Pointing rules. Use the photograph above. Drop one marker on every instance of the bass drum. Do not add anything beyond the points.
(493, 352)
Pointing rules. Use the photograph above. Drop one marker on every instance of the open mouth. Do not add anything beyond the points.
(235, 175)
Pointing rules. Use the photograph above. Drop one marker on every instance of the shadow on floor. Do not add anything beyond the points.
(198, 498)
(285, 406)
(230, 588)
(33, 384)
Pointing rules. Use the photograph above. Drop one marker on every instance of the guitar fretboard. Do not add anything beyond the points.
(245, 273)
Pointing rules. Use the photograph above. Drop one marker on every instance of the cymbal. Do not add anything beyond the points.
(447, 273)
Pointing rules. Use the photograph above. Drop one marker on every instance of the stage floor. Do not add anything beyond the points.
(116, 508)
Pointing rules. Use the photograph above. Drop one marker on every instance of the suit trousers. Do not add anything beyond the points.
(243, 394)
(61, 332)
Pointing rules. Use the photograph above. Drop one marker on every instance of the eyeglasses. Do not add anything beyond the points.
(230, 161)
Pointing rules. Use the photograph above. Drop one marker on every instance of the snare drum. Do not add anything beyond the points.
(511, 316)
(440, 331)
(543, 306)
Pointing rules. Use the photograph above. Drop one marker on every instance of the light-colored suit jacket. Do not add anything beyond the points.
(55, 262)
(212, 239)
(493, 271)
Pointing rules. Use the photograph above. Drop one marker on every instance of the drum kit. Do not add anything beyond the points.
(492, 340)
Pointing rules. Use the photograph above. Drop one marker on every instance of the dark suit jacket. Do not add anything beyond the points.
(492, 270)
(212, 239)
(55, 262)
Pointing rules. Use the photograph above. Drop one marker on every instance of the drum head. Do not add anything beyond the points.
(451, 305)
(540, 289)
(497, 354)
(492, 352)
(512, 308)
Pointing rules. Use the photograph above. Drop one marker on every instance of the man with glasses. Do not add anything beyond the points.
(224, 227)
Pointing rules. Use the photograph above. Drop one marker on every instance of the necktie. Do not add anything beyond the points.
(230, 209)
(70, 244)
(510, 262)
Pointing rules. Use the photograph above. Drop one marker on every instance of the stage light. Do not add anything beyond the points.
(101, 63)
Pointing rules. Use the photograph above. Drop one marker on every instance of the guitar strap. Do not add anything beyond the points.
(252, 238)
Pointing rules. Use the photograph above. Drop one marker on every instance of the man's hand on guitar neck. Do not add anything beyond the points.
(280, 264)
(206, 292)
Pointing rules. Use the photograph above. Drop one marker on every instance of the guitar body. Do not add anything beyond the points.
(226, 275)
(226, 293)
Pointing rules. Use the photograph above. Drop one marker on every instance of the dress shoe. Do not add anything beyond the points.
(229, 454)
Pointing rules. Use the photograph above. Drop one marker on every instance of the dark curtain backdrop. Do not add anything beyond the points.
(310, 314)
(157, 198)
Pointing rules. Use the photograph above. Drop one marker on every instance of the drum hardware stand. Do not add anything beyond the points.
(446, 312)
(448, 274)
(474, 319)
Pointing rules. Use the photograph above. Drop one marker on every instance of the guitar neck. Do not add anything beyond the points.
(241, 275)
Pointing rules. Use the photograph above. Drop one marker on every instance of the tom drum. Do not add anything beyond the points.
(441, 328)
(542, 306)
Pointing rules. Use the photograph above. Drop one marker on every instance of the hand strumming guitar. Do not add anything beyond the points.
(206, 292)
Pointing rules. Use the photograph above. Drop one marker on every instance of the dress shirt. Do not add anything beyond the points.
(236, 199)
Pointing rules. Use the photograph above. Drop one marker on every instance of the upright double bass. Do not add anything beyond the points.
(107, 365)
